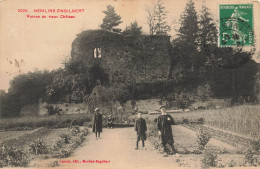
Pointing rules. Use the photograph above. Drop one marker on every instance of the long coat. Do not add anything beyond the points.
(164, 126)
(140, 128)
(97, 123)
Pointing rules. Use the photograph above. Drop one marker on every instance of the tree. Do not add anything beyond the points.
(161, 26)
(24, 89)
(150, 19)
(185, 56)
(133, 29)
(187, 39)
(156, 19)
(207, 28)
(207, 40)
(189, 29)
(111, 20)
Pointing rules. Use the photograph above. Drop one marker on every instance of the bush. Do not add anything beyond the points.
(209, 159)
(38, 147)
(62, 153)
(232, 163)
(58, 143)
(66, 138)
(250, 159)
(74, 131)
(54, 163)
(85, 131)
(11, 156)
(52, 109)
(202, 139)
(183, 100)
(76, 142)
(255, 144)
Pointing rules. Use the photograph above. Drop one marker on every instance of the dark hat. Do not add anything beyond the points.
(162, 107)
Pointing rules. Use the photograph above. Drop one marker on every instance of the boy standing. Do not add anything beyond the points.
(140, 128)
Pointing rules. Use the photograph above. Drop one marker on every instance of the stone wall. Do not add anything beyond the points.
(125, 58)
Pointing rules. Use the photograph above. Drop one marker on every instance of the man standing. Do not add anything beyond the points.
(164, 128)
(140, 128)
(97, 123)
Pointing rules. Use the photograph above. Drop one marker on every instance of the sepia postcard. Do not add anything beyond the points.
(129, 84)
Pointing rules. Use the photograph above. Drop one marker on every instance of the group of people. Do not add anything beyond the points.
(164, 129)
(163, 124)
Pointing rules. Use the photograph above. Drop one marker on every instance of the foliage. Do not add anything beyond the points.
(204, 92)
(133, 30)
(75, 82)
(202, 139)
(186, 65)
(12, 156)
(60, 150)
(207, 29)
(54, 163)
(98, 75)
(156, 19)
(66, 138)
(74, 131)
(52, 109)
(209, 158)
(24, 89)
(161, 27)
(255, 144)
(38, 147)
(58, 143)
(85, 131)
(250, 159)
(183, 99)
(65, 83)
(111, 20)
(62, 153)
(188, 32)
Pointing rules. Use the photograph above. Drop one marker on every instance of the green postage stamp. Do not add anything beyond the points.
(236, 25)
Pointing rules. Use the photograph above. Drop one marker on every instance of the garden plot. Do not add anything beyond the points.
(41, 143)
(186, 141)
(7, 135)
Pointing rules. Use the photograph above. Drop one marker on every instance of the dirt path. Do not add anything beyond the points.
(118, 146)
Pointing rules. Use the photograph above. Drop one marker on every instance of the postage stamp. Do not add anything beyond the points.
(236, 25)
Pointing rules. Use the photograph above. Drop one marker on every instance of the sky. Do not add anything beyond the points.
(28, 44)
